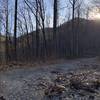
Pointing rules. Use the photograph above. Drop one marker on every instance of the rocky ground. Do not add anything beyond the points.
(73, 80)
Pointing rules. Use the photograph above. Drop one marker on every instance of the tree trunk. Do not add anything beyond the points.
(55, 26)
(15, 31)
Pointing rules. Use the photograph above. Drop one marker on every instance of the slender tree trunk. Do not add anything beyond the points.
(55, 17)
(77, 35)
(32, 35)
(72, 33)
(15, 31)
(37, 31)
(7, 42)
(28, 43)
(44, 39)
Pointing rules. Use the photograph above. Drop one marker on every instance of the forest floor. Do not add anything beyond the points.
(67, 80)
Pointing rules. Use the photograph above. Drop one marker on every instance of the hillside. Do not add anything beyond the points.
(88, 39)
(88, 35)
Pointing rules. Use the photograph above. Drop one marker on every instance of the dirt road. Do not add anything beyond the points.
(30, 83)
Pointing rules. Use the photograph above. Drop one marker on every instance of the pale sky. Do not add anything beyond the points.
(63, 11)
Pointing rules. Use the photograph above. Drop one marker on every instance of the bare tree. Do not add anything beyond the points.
(42, 16)
(38, 9)
(55, 20)
(7, 41)
(74, 5)
(37, 29)
(78, 11)
(4, 19)
(21, 41)
(15, 30)
(23, 13)
(34, 8)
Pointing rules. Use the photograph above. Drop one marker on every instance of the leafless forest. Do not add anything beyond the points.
(29, 33)
(49, 49)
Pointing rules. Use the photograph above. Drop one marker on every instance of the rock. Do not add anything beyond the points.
(55, 90)
(84, 84)
(76, 84)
